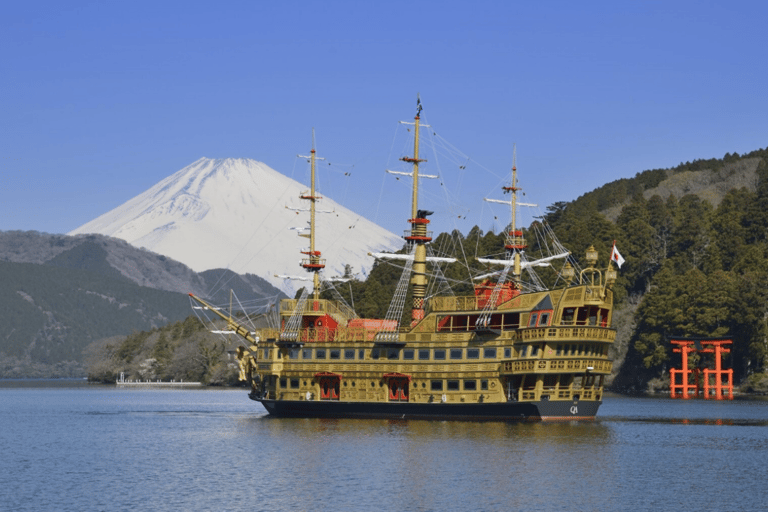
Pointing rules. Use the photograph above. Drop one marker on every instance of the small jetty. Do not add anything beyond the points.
(123, 383)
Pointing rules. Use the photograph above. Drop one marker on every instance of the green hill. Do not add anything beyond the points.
(695, 239)
(48, 314)
(58, 294)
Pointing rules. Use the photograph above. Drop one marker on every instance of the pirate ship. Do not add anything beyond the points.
(510, 350)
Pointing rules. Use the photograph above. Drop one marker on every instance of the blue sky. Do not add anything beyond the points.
(101, 100)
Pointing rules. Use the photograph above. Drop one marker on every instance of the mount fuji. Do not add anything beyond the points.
(231, 213)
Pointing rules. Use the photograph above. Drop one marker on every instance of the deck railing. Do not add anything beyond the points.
(333, 308)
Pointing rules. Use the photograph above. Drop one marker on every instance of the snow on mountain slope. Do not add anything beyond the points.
(231, 213)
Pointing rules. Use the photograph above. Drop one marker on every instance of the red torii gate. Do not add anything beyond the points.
(686, 389)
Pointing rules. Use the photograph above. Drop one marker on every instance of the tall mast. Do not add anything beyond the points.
(418, 234)
(514, 239)
(514, 242)
(314, 263)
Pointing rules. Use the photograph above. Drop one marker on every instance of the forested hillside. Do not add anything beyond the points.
(694, 239)
(182, 350)
(59, 293)
(48, 315)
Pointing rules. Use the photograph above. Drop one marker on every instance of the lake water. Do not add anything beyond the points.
(80, 447)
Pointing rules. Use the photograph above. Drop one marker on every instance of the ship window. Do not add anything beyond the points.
(489, 353)
(320, 353)
(470, 385)
(568, 315)
(408, 354)
(294, 383)
(306, 353)
(436, 385)
(293, 353)
(424, 354)
(393, 353)
(335, 354)
(374, 353)
(507, 353)
(361, 354)
(473, 353)
(559, 349)
(532, 320)
(544, 320)
(484, 384)
(511, 320)
(581, 350)
(439, 354)
(524, 351)
(457, 353)
(453, 385)
(283, 383)
(534, 351)
(349, 353)
(266, 353)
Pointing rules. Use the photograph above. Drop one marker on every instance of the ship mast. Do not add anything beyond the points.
(514, 241)
(313, 263)
(418, 234)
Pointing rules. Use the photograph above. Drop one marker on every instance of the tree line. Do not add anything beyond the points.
(692, 269)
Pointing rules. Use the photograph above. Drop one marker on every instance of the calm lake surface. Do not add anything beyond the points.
(71, 446)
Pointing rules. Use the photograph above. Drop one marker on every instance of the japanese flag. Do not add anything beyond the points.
(616, 256)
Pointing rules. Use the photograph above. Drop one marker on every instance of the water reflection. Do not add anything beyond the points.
(690, 421)
(102, 448)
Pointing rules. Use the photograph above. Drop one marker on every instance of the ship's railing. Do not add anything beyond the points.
(556, 365)
(267, 334)
(332, 308)
(567, 333)
(463, 303)
(340, 334)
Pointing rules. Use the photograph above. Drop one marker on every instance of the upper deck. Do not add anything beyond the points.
(575, 313)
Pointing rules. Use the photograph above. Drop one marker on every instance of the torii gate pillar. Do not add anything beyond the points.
(685, 388)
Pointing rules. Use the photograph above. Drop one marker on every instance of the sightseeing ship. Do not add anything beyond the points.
(509, 351)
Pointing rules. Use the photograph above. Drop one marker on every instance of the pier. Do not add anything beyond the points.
(122, 383)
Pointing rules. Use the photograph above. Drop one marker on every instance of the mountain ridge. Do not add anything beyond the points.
(59, 293)
(236, 213)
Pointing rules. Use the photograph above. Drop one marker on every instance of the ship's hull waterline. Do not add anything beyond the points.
(547, 410)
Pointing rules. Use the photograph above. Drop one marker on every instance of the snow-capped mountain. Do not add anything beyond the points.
(231, 213)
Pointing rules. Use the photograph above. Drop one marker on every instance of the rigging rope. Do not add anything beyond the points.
(395, 311)
(292, 326)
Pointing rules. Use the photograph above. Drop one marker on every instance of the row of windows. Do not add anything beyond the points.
(434, 385)
(587, 315)
(577, 350)
(437, 354)
(394, 354)
(453, 385)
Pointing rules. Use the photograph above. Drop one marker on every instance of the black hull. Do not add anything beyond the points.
(520, 411)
